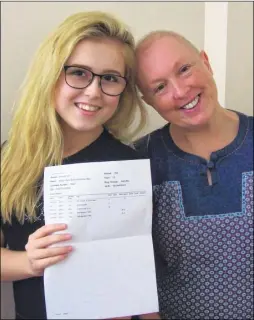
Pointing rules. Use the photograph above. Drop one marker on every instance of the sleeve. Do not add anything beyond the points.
(3, 231)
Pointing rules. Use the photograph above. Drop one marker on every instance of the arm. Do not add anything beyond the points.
(153, 316)
(14, 264)
(18, 265)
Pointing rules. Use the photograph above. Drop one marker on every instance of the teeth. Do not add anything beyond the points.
(192, 104)
(87, 107)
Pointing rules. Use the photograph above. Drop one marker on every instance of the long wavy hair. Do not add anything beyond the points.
(35, 139)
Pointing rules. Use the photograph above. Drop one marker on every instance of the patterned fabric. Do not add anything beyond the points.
(212, 254)
(203, 235)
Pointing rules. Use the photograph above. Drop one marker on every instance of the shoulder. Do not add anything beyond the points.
(246, 124)
(126, 150)
(249, 133)
(245, 118)
(250, 121)
(150, 141)
(117, 150)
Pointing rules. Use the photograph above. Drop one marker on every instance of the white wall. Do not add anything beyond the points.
(216, 42)
(25, 24)
(239, 77)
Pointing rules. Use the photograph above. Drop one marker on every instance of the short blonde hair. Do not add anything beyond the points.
(35, 139)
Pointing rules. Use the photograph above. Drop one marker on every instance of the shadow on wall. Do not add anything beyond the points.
(7, 302)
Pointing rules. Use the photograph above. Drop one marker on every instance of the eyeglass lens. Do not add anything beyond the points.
(80, 78)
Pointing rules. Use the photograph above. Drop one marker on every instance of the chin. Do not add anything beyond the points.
(88, 129)
(200, 124)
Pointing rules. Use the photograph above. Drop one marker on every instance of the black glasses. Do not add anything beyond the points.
(80, 78)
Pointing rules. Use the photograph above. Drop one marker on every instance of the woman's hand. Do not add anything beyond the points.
(39, 252)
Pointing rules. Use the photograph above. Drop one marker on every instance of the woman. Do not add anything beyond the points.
(78, 101)
(202, 170)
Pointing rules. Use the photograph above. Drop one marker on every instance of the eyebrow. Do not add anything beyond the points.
(177, 65)
(157, 80)
(163, 78)
(110, 71)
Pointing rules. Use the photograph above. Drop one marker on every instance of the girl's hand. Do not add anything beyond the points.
(39, 254)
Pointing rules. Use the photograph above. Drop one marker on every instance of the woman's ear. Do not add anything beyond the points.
(205, 59)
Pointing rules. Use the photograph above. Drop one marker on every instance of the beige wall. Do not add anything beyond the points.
(24, 25)
(239, 76)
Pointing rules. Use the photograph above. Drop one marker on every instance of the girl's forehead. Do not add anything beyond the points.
(98, 54)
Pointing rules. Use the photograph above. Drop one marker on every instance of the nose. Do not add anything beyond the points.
(179, 88)
(93, 89)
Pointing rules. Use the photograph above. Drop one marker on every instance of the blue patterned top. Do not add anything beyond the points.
(203, 234)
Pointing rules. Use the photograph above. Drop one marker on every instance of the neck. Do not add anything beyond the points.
(75, 141)
(214, 135)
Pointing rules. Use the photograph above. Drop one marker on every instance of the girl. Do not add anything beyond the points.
(78, 101)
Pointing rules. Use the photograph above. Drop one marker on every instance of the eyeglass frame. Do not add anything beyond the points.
(93, 75)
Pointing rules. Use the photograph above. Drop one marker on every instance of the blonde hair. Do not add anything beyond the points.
(35, 139)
